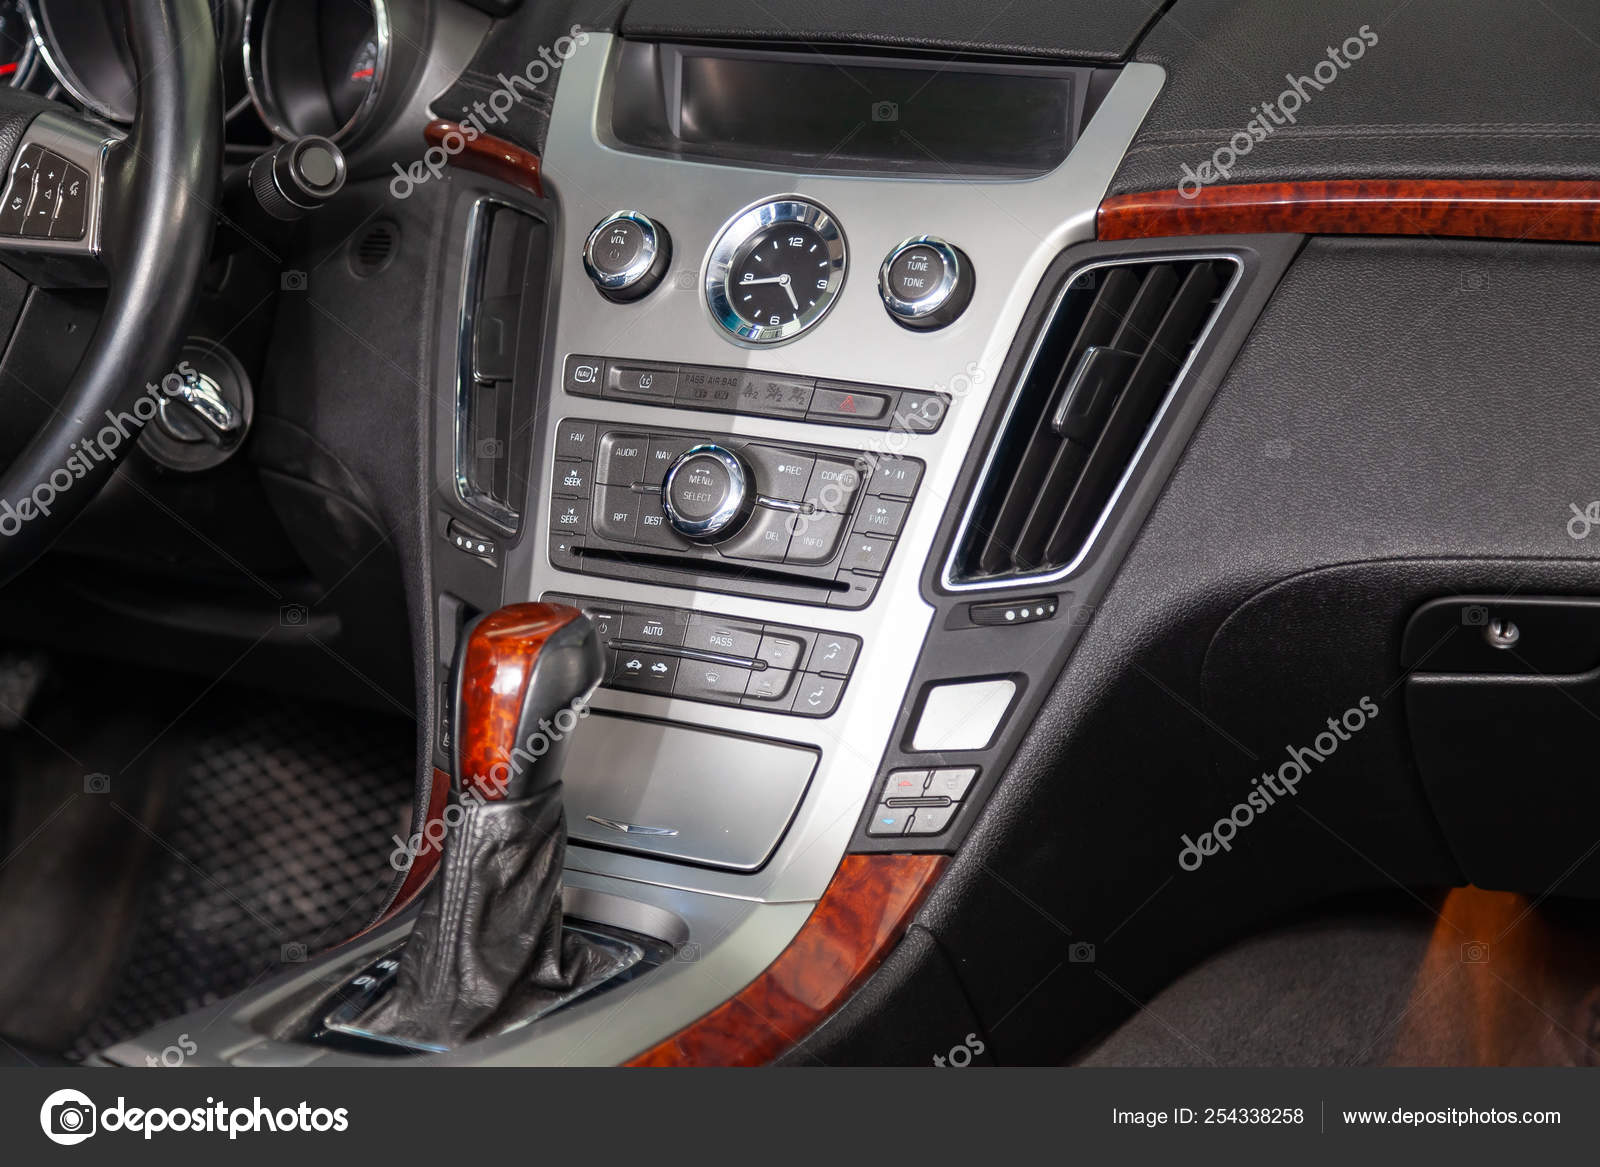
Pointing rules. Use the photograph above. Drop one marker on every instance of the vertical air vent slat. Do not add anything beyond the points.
(1083, 410)
(1025, 479)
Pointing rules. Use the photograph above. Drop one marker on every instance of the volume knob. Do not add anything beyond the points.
(626, 255)
(707, 494)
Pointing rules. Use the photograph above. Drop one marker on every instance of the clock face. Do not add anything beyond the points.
(775, 271)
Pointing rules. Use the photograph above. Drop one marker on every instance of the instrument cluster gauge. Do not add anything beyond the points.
(775, 270)
(322, 66)
(17, 47)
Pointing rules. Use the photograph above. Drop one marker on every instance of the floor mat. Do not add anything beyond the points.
(277, 848)
(1473, 979)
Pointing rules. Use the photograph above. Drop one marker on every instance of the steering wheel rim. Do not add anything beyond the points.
(156, 215)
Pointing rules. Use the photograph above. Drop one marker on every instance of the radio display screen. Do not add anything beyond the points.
(838, 113)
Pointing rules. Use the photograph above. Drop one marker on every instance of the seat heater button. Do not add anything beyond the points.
(952, 783)
(930, 820)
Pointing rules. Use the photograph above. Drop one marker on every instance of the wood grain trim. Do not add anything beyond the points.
(864, 910)
(495, 670)
(1476, 209)
(474, 150)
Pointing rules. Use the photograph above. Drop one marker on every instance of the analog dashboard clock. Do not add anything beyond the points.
(775, 271)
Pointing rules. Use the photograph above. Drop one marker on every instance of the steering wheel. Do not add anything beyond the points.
(145, 206)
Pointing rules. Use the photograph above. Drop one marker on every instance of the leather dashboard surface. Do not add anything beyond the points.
(1444, 89)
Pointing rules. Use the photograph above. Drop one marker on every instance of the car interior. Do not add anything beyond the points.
(672, 533)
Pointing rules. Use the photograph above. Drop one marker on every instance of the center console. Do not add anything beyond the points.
(721, 402)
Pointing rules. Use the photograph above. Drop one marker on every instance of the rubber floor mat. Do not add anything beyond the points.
(277, 848)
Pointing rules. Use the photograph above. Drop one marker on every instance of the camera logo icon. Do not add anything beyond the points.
(1081, 953)
(67, 1117)
(885, 111)
(1474, 615)
(293, 280)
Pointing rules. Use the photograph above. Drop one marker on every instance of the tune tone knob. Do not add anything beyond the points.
(707, 494)
(626, 255)
(925, 283)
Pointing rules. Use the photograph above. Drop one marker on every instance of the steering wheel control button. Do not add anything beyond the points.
(706, 494)
(46, 195)
(19, 191)
(626, 255)
(925, 283)
(72, 207)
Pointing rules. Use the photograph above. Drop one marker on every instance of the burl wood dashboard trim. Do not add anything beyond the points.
(1519, 209)
(864, 911)
(485, 154)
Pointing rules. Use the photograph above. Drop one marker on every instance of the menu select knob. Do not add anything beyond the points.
(626, 255)
(925, 283)
(707, 493)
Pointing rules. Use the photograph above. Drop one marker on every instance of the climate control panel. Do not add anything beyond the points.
(752, 517)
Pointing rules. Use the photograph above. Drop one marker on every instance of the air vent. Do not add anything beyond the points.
(373, 250)
(1101, 373)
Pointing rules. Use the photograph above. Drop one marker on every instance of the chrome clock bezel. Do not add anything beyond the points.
(729, 248)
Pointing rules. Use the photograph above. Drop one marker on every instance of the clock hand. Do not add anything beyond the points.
(764, 280)
(788, 287)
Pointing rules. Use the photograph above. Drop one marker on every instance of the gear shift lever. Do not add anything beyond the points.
(489, 950)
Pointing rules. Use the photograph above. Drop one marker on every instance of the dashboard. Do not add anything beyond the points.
(850, 425)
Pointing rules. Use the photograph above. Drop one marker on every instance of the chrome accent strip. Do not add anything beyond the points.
(62, 72)
(630, 828)
(481, 504)
(947, 576)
